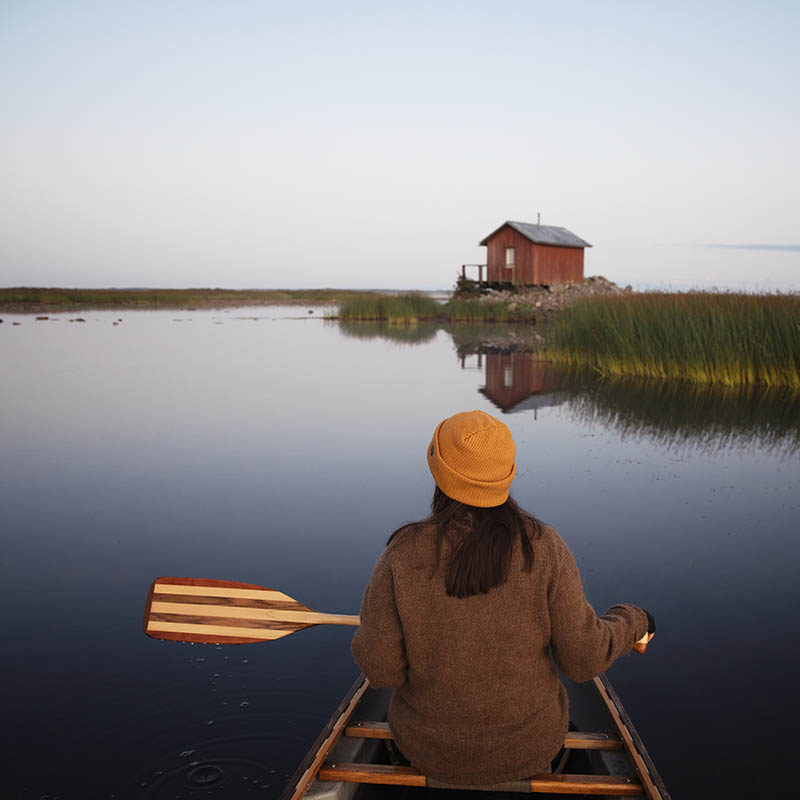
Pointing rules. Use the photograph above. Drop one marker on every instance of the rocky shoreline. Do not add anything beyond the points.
(547, 301)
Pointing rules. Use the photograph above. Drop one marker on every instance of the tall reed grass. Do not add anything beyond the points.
(727, 338)
(399, 309)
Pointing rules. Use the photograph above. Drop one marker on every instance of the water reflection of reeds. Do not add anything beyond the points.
(674, 413)
(678, 413)
(407, 334)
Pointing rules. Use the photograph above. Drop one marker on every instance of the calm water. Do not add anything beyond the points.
(255, 446)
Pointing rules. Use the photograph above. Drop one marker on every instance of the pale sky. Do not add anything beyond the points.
(374, 144)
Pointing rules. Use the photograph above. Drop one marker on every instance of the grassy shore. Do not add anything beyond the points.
(408, 309)
(726, 338)
(34, 299)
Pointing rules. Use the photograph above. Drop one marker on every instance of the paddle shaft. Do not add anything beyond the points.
(318, 618)
(275, 615)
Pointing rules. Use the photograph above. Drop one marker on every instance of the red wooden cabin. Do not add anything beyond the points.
(527, 254)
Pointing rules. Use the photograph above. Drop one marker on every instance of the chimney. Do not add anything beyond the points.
(539, 218)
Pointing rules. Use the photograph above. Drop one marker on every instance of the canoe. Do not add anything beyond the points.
(606, 756)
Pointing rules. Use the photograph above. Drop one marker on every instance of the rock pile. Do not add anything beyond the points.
(546, 300)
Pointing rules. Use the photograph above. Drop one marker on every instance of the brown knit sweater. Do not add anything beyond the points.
(477, 699)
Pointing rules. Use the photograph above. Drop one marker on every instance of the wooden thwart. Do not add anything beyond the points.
(372, 773)
(574, 740)
(555, 784)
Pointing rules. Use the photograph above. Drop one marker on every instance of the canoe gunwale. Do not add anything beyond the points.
(637, 752)
(324, 743)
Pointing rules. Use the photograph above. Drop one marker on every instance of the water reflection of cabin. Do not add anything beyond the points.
(527, 254)
(518, 381)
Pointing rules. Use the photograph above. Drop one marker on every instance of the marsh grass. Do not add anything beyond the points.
(727, 338)
(404, 309)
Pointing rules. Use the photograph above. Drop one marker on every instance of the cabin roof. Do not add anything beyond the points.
(542, 234)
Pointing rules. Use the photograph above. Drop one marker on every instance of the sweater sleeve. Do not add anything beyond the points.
(585, 644)
(378, 645)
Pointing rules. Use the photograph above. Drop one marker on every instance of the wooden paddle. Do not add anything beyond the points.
(227, 612)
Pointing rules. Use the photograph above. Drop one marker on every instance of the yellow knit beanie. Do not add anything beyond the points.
(471, 458)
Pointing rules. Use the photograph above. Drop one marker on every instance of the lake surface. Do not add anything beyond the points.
(269, 446)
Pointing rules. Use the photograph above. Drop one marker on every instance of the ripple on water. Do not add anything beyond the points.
(221, 777)
(206, 774)
(225, 767)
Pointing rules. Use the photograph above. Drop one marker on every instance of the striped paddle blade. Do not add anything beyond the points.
(221, 612)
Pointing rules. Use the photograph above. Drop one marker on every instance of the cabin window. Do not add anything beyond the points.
(509, 258)
(508, 376)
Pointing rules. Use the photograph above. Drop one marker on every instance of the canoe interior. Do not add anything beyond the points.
(587, 713)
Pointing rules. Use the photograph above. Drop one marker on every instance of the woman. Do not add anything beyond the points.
(468, 613)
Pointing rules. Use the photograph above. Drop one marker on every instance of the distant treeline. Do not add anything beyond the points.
(51, 299)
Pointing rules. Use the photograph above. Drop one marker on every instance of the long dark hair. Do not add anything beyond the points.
(480, 540)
